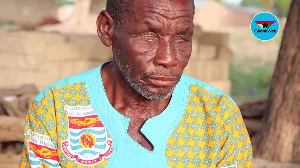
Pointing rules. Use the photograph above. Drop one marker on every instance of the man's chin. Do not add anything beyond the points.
(151, 96)
(156, 93)
(150, 91)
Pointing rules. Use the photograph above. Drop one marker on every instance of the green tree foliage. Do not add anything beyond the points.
(258, 3)
(64, 2)
(281, 7)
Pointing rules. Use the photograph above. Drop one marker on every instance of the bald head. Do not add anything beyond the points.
(117, 8)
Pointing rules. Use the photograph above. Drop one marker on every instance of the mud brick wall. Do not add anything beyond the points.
(43, 58)
(210, 60)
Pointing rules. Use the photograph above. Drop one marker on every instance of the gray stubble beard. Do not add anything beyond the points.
(138, 86)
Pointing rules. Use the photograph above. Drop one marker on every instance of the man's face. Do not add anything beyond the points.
(153, 45)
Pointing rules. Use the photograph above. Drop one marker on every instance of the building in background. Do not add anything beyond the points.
(27, 12)
(211, 15)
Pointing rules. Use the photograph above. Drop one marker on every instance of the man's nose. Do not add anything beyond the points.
(166, 53)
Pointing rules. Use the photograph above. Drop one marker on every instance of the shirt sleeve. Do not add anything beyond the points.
(39, 148)
(236, 151)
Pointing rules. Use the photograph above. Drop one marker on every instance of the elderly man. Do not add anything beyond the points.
(137, 111)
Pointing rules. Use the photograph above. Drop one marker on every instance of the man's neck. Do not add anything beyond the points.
(130, 103)
(127, 100)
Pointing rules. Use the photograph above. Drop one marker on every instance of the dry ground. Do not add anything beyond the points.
(260, 163)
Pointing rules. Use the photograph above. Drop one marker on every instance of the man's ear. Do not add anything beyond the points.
(105, 28)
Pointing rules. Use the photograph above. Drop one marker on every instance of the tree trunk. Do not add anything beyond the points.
(279, 138)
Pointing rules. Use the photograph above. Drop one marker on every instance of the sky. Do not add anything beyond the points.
(235, 2)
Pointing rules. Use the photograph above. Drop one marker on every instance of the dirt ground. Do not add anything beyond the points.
(12, 161)
(260, 163)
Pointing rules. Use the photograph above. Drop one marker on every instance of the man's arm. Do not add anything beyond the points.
(39, 149)
(236, 150)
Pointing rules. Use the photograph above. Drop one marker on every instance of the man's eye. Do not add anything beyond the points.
(149, 37)
(181, 38)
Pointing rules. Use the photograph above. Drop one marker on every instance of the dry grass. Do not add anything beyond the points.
(252, 65)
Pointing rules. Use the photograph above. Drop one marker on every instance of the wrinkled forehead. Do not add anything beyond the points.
(169, 6)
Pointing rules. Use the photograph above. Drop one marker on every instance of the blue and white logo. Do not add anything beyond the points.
(264, 26)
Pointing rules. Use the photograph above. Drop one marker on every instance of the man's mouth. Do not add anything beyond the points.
(163, 81)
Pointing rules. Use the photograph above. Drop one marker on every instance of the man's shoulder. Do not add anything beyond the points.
(201, 89)
(202, 85)
(74, 80)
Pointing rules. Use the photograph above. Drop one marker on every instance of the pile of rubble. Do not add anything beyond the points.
(14, 103)
(253, 113)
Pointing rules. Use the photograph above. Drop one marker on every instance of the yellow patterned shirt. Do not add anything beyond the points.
(72, 124)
